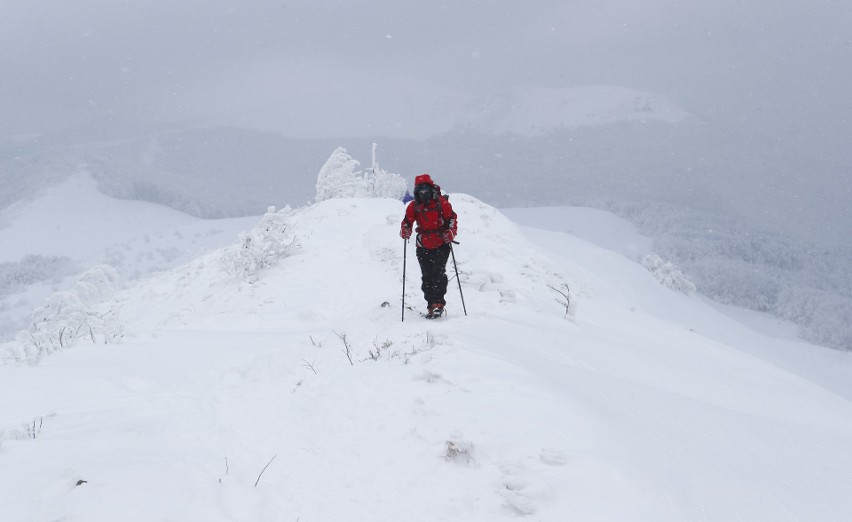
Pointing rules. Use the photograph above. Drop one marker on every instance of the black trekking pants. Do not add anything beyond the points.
(433, 266)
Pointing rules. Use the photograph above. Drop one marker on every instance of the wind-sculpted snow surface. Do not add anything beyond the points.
(297, 393)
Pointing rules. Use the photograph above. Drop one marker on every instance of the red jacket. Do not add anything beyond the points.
(436, 222)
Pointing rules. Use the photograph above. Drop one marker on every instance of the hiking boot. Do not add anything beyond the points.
(435, 310)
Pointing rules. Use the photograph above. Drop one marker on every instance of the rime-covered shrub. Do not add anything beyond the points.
(263, 247)
(667, 274)
(84, 312)
(339, 177)
(96, 285)
(384, 184)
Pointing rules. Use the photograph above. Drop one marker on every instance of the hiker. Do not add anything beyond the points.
(436, 229)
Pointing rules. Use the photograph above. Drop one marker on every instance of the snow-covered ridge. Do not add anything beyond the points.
(343, 256)
(292, 391)
(535, 111)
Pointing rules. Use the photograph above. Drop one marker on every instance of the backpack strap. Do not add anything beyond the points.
(419, 210)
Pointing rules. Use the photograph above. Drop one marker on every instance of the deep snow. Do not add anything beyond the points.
(640, 404)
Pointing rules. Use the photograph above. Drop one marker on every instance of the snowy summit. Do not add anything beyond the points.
(535, 111)
(274, 380)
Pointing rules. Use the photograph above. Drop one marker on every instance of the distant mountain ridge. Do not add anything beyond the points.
(534, 111)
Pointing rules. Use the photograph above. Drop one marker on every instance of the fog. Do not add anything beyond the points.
(339, 68)
(769, 78)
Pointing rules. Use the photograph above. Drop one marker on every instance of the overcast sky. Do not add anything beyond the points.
(343, 68)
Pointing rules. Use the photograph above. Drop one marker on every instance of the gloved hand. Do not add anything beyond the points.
(404, 232)
(447, 236)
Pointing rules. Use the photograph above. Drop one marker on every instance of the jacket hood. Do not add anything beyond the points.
(423, 178)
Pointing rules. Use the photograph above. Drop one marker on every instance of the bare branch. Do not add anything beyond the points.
(256, 482)
(563, 294)
(346, 348)
(309, 366)
(567, 302)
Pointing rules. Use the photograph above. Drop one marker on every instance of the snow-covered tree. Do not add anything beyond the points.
(267, 243)
(340, 177)
(97, 285)
(84, 312)
(383, 184)
(824, 317)
(668, 274)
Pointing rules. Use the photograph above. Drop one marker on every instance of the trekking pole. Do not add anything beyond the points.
(404, 258)
(457, 276)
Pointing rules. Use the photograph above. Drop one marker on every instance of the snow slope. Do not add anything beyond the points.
(600, 227)
(73, 220)
(233, 398)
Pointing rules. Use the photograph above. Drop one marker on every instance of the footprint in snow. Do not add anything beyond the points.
(518, 503)
(430, 377)
(553, 457)
(514, 484)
